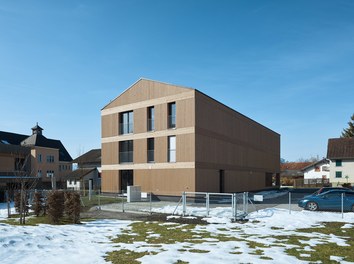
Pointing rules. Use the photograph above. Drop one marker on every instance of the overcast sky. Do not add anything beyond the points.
(286, 64)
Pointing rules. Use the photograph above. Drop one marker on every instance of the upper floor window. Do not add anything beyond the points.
(150, 149)
(171, 115)
(50, 158)
(126, 151)
(126, 122)
(39, 158)
(338, 163)
(171, 155)
(338, 174)
(150, 118)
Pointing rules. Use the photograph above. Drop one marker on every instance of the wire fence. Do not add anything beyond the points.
(201, 204)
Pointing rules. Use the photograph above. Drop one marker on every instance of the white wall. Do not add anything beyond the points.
(72, 185)
(347, 168)
(310, 173)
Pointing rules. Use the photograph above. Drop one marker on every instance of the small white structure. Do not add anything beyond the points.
(133, 194)
(317, 170)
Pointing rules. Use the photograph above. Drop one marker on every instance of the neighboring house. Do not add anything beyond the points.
(317, 170)
(48, 159)
(340, 152)
(88, 170)
(291, 171)
(169, 139)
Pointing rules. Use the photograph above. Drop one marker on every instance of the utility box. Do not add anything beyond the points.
(133, 194)
(258, 198)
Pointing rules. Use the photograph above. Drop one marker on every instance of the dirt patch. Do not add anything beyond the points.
(100, 214)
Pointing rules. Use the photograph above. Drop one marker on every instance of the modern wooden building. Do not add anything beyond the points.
(169, 139)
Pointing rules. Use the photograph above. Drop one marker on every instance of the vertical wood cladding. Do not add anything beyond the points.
(109, 125)
(209, 135)
(166, 181)
(109, 153)
(110, 181)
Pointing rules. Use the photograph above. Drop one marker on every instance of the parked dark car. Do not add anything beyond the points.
(330, 200)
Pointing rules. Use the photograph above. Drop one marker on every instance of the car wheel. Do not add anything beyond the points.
(312, 206)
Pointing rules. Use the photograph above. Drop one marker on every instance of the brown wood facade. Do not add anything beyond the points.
(217, 148)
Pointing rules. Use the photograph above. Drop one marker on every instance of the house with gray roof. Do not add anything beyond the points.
(48, 160)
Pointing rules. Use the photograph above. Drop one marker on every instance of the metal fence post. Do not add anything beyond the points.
(150, 203)
(289, 202)
(232, 205)
(342, 205)
(246, 201)
(184, 203)
(122, 203)
(207, 204)
(99, 199)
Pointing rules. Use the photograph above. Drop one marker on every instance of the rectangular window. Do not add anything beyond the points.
(39, 158)
(171, 149)
(126, 151)
(338, 163)
(50, 159)
(50, 173)
(172, 115)
(126, 123)
(150, 149)
(338, 174)
(151, 118)
(39, 173)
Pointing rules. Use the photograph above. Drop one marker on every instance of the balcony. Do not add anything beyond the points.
(126, 157)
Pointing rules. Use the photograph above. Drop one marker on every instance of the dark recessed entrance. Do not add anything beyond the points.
(221, 181)
(126, 179)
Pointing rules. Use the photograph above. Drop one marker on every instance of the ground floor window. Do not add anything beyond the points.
(338, 174)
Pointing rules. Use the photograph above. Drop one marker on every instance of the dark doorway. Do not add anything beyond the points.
(126, 179)
(221, 181)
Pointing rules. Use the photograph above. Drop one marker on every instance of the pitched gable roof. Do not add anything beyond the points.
(340, 148)
(145, 89)
(11, 138)
(35, 140)
(91, 157)
(294, 165)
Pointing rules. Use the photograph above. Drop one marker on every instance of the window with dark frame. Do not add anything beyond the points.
(150, 149)
(171, 157)
(338, 163)
(126, 123)
(126, 151)
(172, 115)
(151, 118)
(338, 174)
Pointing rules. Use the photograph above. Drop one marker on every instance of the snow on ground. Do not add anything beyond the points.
(85, 243)
(88, 243)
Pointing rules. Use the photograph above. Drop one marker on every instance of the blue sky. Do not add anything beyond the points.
(286, 64)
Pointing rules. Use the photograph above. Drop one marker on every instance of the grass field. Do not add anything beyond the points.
(252, 242)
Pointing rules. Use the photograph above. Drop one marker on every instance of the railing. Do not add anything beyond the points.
(212, 204)
(171, 155)
(151, 124)
(126, 128)
(171, 121)
(150, 155)
(126, 156)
